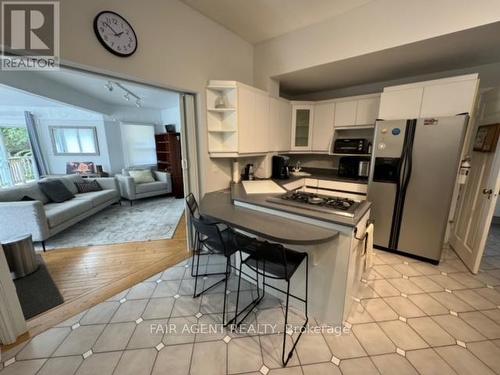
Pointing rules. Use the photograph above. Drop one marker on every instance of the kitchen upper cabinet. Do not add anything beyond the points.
(367, 111)
(261, 123)
(442, 97)
(345, 113)
(280, 124)
(322, 126)
(449, 99)
(247, 131)
(401, 104)
(302, 123)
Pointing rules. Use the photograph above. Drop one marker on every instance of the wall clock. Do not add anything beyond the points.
(115, 33)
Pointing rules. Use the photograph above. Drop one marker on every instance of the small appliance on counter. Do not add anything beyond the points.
(352, 146)
(281, 169)
(354, 167)
(248, 173)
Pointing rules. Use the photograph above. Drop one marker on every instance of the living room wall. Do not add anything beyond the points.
(178, 48)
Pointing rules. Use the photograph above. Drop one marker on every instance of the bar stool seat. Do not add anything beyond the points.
(274, 266)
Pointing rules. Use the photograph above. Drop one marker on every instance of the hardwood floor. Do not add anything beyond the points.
(87, 276)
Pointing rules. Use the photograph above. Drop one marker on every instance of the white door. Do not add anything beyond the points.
(476, 206)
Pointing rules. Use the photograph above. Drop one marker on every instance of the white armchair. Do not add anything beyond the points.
(132, 191)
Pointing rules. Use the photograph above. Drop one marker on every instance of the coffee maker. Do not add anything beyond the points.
(281, 170)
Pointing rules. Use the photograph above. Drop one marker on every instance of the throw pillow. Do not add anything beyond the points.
(142, 176)
(88, 186)
(55, 190)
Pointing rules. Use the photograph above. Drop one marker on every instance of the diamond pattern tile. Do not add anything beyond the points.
(408, 317)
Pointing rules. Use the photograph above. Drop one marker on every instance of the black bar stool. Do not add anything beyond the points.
(274, 261)
(211, 239)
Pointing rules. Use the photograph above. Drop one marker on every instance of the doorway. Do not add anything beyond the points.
(16, 157)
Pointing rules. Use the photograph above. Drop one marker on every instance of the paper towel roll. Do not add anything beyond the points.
(236, 172)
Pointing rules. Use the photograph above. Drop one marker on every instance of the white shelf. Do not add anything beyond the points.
(221, 109)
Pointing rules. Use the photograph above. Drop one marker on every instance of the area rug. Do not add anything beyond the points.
(37, 292)
(146, 220)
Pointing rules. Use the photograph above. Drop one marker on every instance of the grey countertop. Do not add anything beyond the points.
(219, 206)
(238, 193)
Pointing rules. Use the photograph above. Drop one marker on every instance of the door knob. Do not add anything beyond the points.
(488, 192)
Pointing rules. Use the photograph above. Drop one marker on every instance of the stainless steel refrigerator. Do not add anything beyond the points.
(413, 173)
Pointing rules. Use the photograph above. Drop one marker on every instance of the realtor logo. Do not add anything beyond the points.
(30, 35)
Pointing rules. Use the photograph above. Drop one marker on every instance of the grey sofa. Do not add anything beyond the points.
(132, 191)
(42, 218)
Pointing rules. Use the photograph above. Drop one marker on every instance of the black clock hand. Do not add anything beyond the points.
(107, 24)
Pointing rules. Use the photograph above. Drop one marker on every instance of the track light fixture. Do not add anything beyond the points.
(110, 85)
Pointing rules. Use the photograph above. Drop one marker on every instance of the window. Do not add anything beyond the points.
(74, 140)
(139, 147)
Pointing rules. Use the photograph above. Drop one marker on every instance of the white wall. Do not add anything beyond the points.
(375, 26)
(45, 117)
(170, 116)
(178, 48)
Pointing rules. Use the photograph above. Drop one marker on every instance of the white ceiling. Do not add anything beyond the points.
(453, 51)
(12, 97)
(94, 86)
(259, 20)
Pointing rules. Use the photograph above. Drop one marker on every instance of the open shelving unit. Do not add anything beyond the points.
(222, 121)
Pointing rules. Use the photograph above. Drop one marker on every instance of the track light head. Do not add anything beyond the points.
(109, 86)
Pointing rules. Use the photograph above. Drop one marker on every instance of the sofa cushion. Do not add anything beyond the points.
(142, 177)
(16, 193)
(58, 213)
(88, 186)
(151, 186)
(98, 197)
(70, 180)
(55, 190)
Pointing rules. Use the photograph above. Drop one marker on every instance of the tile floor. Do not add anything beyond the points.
(408, 317)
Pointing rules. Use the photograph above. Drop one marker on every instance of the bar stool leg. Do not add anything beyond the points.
(228, 265)
(197, 250)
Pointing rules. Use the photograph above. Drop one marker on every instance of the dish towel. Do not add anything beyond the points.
(369, 246)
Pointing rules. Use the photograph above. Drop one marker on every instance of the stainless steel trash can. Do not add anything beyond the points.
(20, 256)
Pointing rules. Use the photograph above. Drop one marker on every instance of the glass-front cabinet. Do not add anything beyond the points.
(302, 120)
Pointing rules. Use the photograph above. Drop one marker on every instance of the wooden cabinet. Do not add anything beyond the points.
(322, 130)
(302, 122)
(401, 104)
(345, 113)
(168, 155)
(367, 111)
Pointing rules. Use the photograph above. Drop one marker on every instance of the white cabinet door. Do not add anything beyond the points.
(322, 130)
(345, 113)
(275, 127)
(261, 123)
(246, 124)
(401, 104)
(367, 111)
(285, 125)
(302, 121)
(449, 99)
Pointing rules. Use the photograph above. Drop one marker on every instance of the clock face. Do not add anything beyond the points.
(115, 33)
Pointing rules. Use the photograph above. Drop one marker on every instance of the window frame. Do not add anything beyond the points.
(52, 130)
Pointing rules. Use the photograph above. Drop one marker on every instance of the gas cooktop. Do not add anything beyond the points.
(316, 202)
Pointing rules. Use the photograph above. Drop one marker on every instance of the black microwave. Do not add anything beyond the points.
(351, 146)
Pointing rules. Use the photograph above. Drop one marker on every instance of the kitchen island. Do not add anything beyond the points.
(335, 244)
